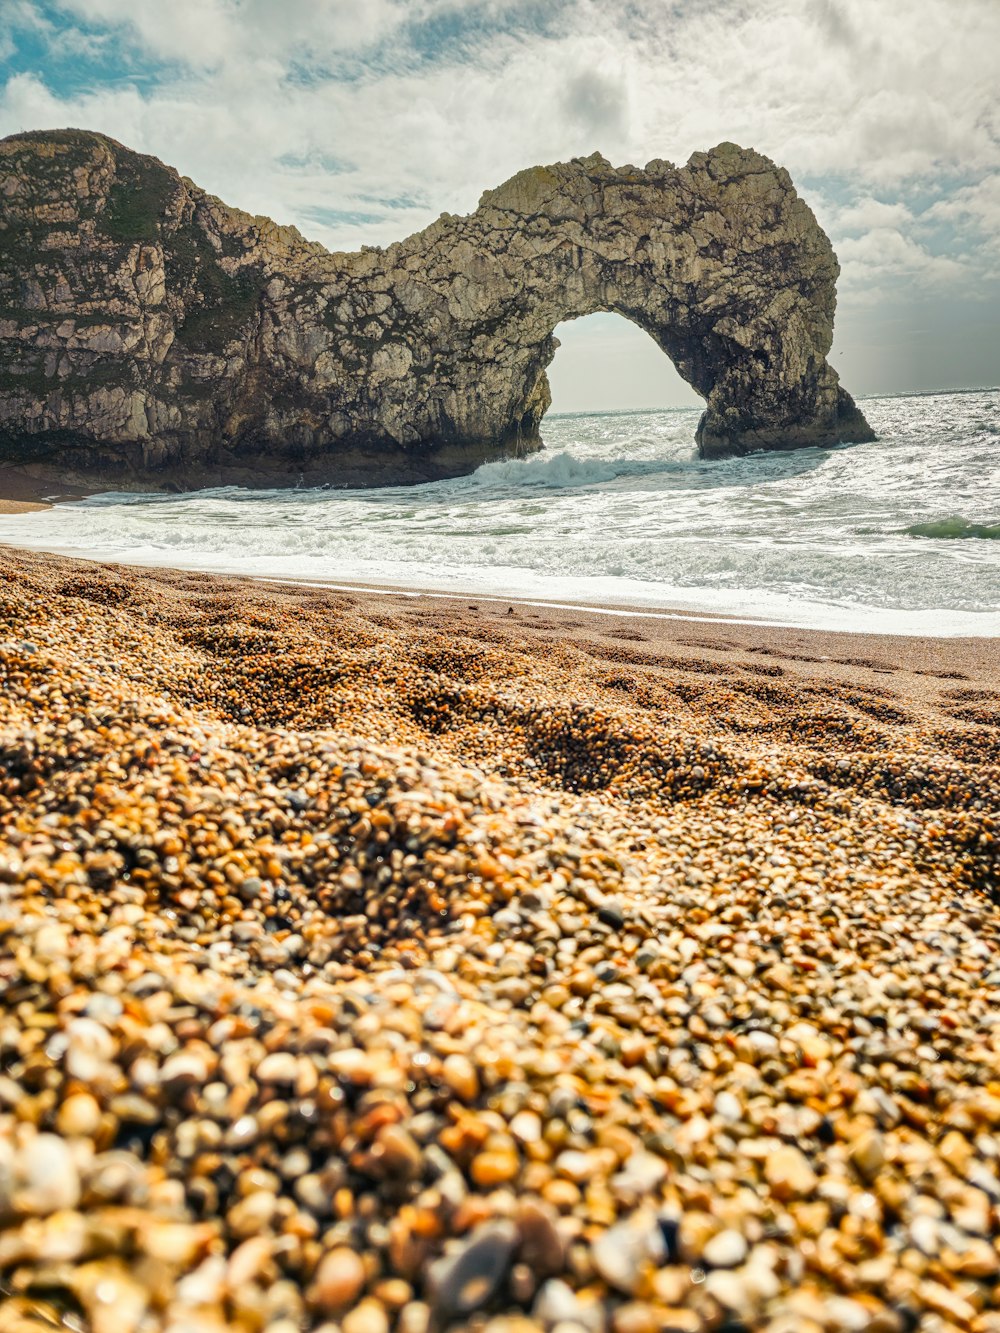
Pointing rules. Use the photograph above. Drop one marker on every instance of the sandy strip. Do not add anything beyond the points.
(22, 491)
(911, 660)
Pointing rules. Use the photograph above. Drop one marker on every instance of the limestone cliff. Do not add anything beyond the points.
(150, 335)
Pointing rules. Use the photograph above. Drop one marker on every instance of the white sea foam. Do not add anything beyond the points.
(557, 472)
(618, 510)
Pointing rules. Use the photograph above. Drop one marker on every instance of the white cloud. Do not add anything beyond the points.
(211, 33)
(885, 255)
(976, 205)
(596, 102)
(883, 93)
(310, 109)
(973, 215)
(205, 34)
(867, 213)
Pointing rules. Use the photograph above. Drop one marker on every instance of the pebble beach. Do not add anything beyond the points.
(396, 965)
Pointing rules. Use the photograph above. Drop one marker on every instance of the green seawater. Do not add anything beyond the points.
(950, 529)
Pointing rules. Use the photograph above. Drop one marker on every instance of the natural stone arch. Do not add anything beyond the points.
(720, 263)
(158, 336)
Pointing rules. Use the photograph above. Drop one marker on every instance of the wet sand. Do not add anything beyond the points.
(20, 495)
(22, 492)
(390, 963)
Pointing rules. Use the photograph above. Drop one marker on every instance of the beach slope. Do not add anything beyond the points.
(387, 962)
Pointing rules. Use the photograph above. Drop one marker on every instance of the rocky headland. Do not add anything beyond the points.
(152, 336)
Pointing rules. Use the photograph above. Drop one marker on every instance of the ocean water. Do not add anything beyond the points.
(902, 535)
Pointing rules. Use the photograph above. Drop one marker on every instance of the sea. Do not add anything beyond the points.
(900, 536)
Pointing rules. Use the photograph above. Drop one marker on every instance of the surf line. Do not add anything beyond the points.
(594, 608)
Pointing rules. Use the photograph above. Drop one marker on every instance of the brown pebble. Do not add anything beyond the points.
(495, 1168)
(789, 1173)
(79, 1115)
(460, 1075)
(368, 1317)
(340, 1280)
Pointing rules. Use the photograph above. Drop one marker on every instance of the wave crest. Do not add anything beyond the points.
(555, 471)
(955, 529)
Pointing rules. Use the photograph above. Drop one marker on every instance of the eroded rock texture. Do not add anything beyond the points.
(151, 335)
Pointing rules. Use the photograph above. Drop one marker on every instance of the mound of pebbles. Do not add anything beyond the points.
(362, 974)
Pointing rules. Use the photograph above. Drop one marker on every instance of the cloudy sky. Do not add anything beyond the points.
(361, 120)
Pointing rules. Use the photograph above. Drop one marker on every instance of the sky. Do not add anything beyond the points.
(359, 121)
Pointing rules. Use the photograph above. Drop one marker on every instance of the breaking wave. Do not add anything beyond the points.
(566, 471)
(955, 529)
(555, 471)
(619, 510)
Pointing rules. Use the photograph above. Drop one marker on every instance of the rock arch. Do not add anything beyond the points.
(160, 336)
(719, 262)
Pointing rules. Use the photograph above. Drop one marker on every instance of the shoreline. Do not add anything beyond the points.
(976, 657)
(623, 611)
(786, 606)
(638, 611)
(22, 492)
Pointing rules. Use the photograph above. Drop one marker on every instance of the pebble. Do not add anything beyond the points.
(729, 1107)
(400, 1152)
(252, 1214)
(249, 1260)
(727, 1249)
(176, 1243)
(368, 1317)
(459, 1073)
(557, 1304)
(466, 1280)
(494, 1168)
(526, 1127)
(79, 1116)
(622, 1254)
(642, 1173)
(576, 1166)
(49, 1179)
(415, 1317)
(540, 1244)
(186, 1069)
(789, 1174)
(867, 1152)
(377, 967)
(279, 1067)
(731, 1292)
(340, 1280)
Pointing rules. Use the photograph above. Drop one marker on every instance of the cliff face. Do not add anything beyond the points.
(150, 335)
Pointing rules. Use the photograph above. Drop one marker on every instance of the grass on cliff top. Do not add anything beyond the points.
(138, 199)
(69, 137)
(219, 305)
(76, 147)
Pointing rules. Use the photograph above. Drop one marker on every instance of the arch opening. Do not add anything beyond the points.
(607, 363)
